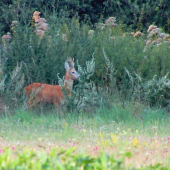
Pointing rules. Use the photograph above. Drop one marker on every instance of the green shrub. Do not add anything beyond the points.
(133, 14)
(63, 159)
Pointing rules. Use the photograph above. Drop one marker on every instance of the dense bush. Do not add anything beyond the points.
(43, 57)
(133, 14)
(115, 52)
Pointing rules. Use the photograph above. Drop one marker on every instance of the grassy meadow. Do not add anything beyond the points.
(140, 130)
(118, 114)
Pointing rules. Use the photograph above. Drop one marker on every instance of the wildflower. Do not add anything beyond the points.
(104, 142)
(151, 27)
(162, 35)
(36, 15)
(114, 138)
(96, 148)
(154, 32)
(6, 37)
(14, 25)
(65, 124)
(91, 33)
(100, 134)
(12, 148)
(135, 142)
(111, 22)
(41, 20)
(168, 138)
(43, 26)
(148, 42)
(158, 40)
(137, 131)
(40, 33)
(84, 130)
(138, 34)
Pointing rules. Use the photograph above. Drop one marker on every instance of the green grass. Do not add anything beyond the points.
(144, 119)
(111, 130)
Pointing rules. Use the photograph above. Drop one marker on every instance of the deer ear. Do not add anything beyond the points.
(73, 65)
(66, 66)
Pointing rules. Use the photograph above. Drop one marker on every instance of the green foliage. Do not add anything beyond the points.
(84, 95)
(114, 52)
(62, 160)
(42, 58)
(132, 14)
(15, 79)
(154, 91)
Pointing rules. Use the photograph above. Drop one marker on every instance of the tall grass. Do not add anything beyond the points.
(31, 125)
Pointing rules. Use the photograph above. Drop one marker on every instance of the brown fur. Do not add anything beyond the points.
(47, 93)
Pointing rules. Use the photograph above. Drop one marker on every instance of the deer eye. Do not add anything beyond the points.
(73, 72)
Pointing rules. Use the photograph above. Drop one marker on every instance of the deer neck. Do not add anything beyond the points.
(68, 83)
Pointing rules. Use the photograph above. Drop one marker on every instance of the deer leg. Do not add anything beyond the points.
(32, 102)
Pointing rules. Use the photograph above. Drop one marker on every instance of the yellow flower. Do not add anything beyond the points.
(114, 138)
(84, 130)
(100, 135)
(135, 142)
(137, 131)
(65, 124)
(104, 143)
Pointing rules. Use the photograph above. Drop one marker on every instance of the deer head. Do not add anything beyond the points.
(71, 72)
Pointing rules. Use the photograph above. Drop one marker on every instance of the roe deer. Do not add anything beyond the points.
(38, 92)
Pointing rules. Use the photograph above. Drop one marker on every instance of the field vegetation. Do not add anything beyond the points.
(118, 114)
